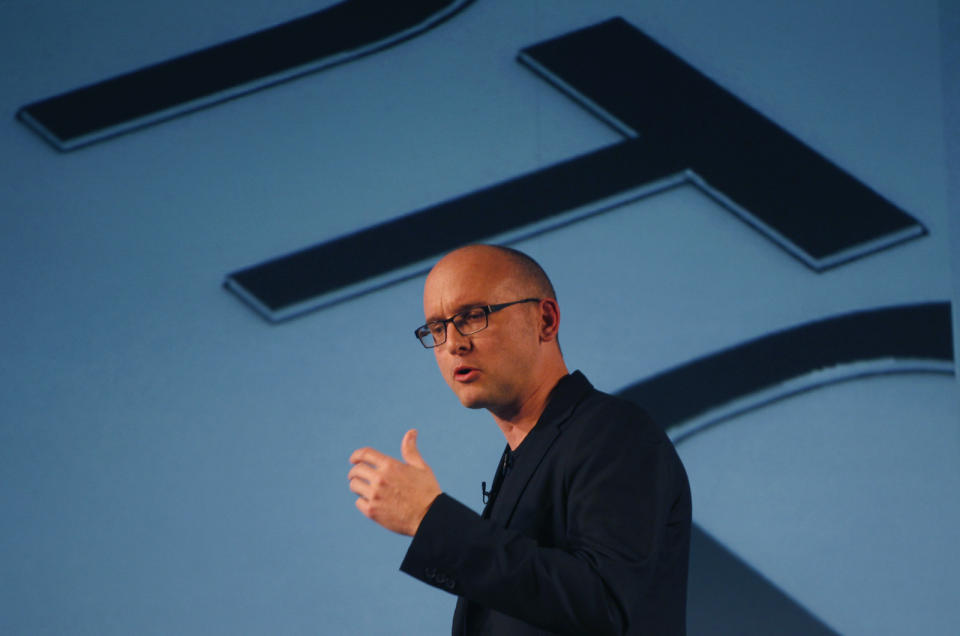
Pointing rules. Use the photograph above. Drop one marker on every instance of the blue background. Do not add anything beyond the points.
(170, 463)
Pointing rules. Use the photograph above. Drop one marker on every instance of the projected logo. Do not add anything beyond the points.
(682, 128)
(146, 96)
(679, 127)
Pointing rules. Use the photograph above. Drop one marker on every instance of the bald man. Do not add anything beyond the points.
(587, 527)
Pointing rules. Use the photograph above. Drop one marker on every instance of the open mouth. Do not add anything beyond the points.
(464, 373)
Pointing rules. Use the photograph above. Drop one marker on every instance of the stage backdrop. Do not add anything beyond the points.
(215, 221)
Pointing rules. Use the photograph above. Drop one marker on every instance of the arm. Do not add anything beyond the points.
(582, 556)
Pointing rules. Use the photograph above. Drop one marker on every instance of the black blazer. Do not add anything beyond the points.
(589, 533)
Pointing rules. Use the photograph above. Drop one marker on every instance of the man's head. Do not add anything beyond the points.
(517, 354)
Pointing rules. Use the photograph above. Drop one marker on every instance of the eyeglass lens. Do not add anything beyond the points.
(467, 322)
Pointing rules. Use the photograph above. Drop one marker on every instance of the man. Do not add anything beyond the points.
(587, 529)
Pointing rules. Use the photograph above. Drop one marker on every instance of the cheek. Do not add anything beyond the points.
(442, 363)
(522, 346)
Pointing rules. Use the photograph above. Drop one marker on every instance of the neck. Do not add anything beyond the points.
(517, 422)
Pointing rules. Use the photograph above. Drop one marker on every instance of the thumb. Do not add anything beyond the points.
(408, 449)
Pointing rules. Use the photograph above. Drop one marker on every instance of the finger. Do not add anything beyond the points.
(363, 506)
(360, 487)
(369, 456)
(408, 448)
(362, 471)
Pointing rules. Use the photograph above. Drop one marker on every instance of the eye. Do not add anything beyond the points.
(436, 329)
(474, 317)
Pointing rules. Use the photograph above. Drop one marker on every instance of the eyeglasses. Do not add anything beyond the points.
(467, 322)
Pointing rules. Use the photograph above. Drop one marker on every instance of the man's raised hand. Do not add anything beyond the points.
(396, 494)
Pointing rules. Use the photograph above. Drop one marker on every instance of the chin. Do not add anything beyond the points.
(470, 399)
(471, 402)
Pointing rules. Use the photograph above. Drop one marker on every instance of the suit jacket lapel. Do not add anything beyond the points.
(513, 487)
(566, 395)
(495, 488)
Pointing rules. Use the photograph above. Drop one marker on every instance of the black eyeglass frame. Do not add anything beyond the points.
(424, 329)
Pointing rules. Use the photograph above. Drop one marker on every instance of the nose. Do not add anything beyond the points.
(455, 340)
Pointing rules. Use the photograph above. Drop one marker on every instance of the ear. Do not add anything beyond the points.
(549, 319)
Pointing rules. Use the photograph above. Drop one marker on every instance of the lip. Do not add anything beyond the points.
(463, 373)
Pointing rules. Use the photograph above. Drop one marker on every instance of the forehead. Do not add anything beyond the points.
(462, 280)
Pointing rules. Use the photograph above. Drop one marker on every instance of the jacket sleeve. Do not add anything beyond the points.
(610, 510)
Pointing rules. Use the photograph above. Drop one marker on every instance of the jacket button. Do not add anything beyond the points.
(430, 573)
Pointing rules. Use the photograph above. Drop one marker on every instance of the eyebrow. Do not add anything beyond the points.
(457, 310)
